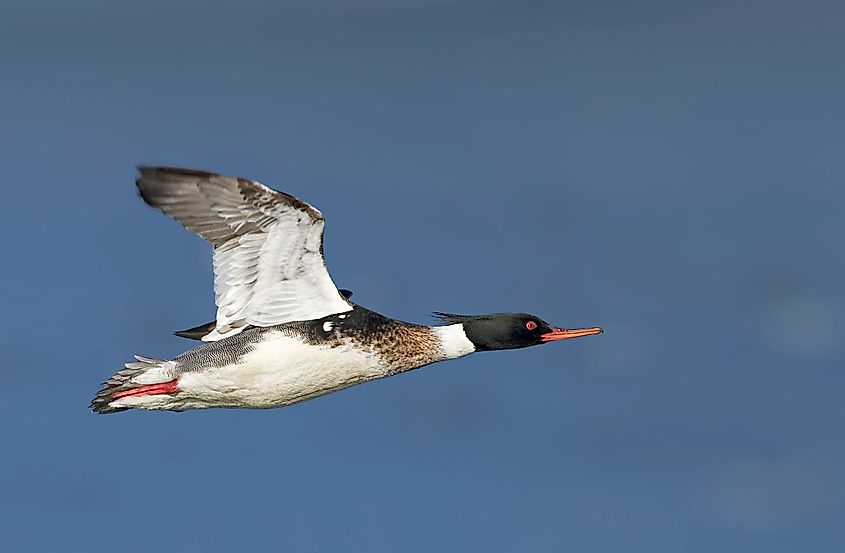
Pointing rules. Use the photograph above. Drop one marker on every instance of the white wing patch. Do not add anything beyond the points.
(268, 259)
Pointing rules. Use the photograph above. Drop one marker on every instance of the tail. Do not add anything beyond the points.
(143, 384)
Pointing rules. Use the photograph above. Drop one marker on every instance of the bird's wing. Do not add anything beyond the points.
(268, 246)
(201, 331)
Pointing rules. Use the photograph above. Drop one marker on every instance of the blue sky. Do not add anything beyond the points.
(671, 171)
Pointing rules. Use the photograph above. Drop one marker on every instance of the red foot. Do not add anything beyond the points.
(148, 390)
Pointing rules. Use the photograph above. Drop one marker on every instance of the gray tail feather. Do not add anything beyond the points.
(119, 382)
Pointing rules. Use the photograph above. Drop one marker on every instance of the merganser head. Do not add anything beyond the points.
(511, 330)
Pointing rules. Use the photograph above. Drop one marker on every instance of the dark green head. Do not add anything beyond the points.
(510, 330)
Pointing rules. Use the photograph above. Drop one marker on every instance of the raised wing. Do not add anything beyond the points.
(268, 247)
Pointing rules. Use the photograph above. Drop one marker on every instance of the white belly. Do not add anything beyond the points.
(280, 370)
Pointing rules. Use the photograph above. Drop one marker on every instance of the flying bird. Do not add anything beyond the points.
(283, 332)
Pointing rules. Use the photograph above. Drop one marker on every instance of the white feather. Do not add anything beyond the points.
(281, 370)
(268, 260)
(453, 341)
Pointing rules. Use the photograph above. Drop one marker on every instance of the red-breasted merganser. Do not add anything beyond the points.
(284, 333)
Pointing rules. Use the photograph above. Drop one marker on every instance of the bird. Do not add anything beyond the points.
(283, 332)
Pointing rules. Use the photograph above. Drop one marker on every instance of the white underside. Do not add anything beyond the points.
(279, 371)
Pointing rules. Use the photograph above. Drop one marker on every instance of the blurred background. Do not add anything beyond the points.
(671, 171)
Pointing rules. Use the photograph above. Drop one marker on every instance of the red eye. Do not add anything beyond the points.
(530, 325)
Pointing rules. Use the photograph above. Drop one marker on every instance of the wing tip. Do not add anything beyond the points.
(197, 332)
(173, 170)
(153, 177)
